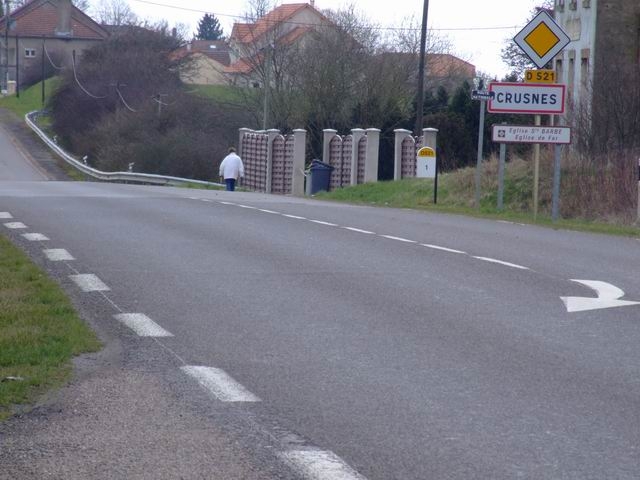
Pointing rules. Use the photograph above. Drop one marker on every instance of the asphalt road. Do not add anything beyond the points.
(15, 163)
(365, 342)
(405, 361)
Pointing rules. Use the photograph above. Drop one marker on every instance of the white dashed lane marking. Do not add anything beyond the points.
(89, 283)
(320, 465)
(142, 325)
(399, 239)
(35, 237)
(5, 215)
(320, 222)
(357, 230)
(15, 225)
(444, 249)
(389, 237)
(500, 262)
(58, 255)
(220, 384)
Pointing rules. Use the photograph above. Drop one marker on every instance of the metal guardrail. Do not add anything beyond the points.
(110, 176)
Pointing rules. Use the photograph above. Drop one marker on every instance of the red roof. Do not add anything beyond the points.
(246, 33)
(40, 18)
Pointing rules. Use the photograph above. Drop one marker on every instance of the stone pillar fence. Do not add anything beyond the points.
(406, 150)
(273, 163)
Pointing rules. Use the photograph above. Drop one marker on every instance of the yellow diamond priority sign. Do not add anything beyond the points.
(542, 39)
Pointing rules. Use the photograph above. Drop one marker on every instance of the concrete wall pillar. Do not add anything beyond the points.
(243, 132)
(401, 134)
(373, 155)
(299, 157)
(357, 134)
(430, 136)
(328, 135)
(271, 135)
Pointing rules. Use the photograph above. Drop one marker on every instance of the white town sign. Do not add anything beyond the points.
(538, 99)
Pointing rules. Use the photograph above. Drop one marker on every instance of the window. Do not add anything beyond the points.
(560, 5)
(586, 3)
(30, 53)
(573, 4)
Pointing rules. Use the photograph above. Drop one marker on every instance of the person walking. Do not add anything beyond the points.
(231, 169)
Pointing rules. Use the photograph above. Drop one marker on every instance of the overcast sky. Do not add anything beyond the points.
(478, 30)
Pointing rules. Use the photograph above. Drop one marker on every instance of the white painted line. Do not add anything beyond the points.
(357, 230)
(320, 465)
(269, 211)
(505, 221)
(142, 325)
(293, 216)
(5, 215)
(15, 225)
(500, 262)
(89, 283)
(220, 384)
(399, 239)
(320, 222)
(206, 200)
(58, 255)
(35, 237)
(227, 203)
(247, 207)
(444, 249)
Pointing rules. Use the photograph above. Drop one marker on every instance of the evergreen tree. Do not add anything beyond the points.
(209, 28)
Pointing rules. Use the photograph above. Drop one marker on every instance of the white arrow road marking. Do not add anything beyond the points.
(608, 297)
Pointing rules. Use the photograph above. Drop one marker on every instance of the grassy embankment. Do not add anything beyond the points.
(39, 332)
(456, 194)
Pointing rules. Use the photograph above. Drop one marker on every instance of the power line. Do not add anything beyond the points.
(75, 75)
(49, 57)
(304, 24)
(124, 101)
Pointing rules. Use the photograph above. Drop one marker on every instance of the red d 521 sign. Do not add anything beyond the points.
(529, 98)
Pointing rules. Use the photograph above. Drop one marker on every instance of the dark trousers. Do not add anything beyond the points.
(231, 184)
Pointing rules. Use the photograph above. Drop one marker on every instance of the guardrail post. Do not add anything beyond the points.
(299, 157)
(373, 155)
(401, 134)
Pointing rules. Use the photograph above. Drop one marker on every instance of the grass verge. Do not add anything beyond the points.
(456, 194)
(30, 99)
(39, 332)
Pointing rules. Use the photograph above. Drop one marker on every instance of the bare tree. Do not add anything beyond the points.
(256, 9)
(114, 12)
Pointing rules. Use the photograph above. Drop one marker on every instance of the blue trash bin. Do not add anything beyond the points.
(320, 176)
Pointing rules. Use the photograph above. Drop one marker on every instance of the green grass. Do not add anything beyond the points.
(39, 332)
(30, 99)
(456, 194)
(222, 93)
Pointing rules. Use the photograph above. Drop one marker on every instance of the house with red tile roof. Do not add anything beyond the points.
(208, 61)
(284, 26)
(49, 28)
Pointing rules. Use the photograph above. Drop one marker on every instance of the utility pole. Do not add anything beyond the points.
(159, 101)
(421, 67)
(267, 84)
(7, 24)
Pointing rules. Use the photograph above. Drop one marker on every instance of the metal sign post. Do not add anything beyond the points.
(483, 96)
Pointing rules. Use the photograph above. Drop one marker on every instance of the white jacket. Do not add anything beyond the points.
(231, 167)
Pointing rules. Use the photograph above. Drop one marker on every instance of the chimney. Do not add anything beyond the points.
(64, 8)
